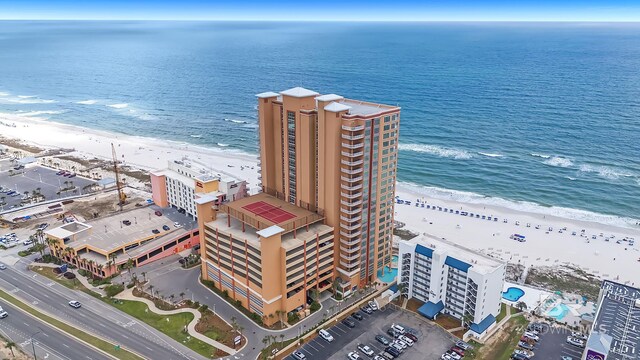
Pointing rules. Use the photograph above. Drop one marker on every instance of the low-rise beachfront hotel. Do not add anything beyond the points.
(452, 280)
(270, 255)
(177, 185)
(338, 155)
(615, 334)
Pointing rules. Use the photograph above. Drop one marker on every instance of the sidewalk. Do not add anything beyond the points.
(127, 294)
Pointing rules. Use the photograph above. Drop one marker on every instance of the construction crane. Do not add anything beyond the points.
(122, 197)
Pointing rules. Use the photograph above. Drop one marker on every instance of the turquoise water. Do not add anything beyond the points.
(558, 312)
(540, 117)
(389, 275)
(513, 294)
(394, 259)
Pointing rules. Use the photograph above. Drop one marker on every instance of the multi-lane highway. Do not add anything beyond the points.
(48, 342)
(94, 316)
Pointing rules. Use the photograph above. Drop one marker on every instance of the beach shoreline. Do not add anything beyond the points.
(492, 238)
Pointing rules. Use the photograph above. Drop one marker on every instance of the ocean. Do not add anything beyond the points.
(542, 117)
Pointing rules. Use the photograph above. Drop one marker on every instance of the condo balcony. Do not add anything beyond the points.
(350, 242)
(352, 137)
(352, 154)
(351, 195)
(350, 219)
(349, 257)
(355, 210)
(351, 188)
(350, 264)
(350, 250)
(351, 163)
(351, 179)
(351, 203)
(352, 146)
(353, 128)
(350, 235)
(352, 171)
(350, 227)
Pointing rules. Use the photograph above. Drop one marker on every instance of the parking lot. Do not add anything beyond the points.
(553, 344)
(432, 340)
(34, 178)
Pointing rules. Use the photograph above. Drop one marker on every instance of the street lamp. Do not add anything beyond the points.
(33, 347)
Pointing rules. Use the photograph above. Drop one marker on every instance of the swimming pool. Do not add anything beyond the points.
(513, 294)
(389, 275)
(558, 312)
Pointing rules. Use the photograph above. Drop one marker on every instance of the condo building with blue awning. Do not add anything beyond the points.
(453, 280)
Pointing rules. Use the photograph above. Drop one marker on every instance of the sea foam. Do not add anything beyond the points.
(559, 161)
(437, 150)
(118, 106)
(605, 172)
(87, 102)
(490, 155)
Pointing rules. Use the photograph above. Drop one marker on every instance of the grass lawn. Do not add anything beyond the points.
(80, 334)
(48, 272)
(447, 321)
(502, 344)
(171, 325)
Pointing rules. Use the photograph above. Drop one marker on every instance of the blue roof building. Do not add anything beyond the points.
(452, 280)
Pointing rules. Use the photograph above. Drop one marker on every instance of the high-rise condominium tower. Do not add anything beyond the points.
(339, 157)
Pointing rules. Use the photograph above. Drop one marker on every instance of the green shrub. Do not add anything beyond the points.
(203, 308)
(130, 285)
(293, 318)
(113, 290)
(315, 306)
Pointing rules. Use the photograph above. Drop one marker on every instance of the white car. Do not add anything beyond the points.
(454, 355)
(531, 336)
(325, 335)
(27, 242)
(575, 342)
(3, 314)
(177, 224)
(298, 355)
(366, 350)
(2, 267)
(446, 357)
(406, 340)
(401, 343)
(578, 335)
(74, 304)
(353, 356)
(373, 305)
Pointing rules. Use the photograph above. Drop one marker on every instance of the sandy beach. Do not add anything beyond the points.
(606, 259)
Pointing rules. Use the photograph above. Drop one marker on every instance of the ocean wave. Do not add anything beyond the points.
(540, 155)
(42, 112)
(196, 136)
(118, 106)
(605, 172)
(87, 102)
(223, 145)
(437, 150)
(236, 121)
(559, 161)
(491, 155)
(27, 99)
(570, 178)
(4, 94)
(525, 206)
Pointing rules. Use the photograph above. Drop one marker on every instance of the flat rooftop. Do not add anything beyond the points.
(262, 210)
(365, 108)
(480, 262)
(619, 317)
(109, 233)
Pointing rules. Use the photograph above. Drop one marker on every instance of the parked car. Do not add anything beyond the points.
(393, 333)
(3, 267)
(575, 341)
(406, 340)
(379, 357)
(366, 350)
(126, 222)
(166, 228)
(393, 351)
(399, 329)
(526, 353)
(367, 310)
(446, 357)
(525, 345)
(401, 343)
(457, 350)
(75, 304)
(298, 355)
(182, 211)
(3, 314)
(349, 323)
(159, 213)
(357, 315)
(177, 225)
(453, 355)
(515, 356)
(387, 356)
(353, 356)
(372, 304)
(532, 336)
(325, 335)
(155, 231)
(578, 335)
(383, 339)
(27, 242)
(411, 336)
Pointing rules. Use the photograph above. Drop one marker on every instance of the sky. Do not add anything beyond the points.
(327, 10)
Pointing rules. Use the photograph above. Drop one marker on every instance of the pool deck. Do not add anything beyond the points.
(532, 297)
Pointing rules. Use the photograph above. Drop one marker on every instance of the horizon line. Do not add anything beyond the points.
(334, 20)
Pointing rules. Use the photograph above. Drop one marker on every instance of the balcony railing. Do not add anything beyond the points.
(352, 154)
(351, 203)
(350, 264)
(350, 235)
(349, 250)
(350, 219)
(351, 196)
(353, 128)
(351, 179)
(350, 212)
(353, 137)
(352, 146)
(351, 171)
(351, 188)
(350, 227)
(352, 163)
(351, 242)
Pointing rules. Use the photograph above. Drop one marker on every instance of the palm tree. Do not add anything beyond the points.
(10, 345)
(144, 276)
(151, 289)
(521, 305)
(181, 295)
(100, 267)
(130, 264)
(281, 340)
(265, 340)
